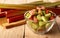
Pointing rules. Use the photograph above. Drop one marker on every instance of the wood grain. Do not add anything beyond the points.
(16, 32)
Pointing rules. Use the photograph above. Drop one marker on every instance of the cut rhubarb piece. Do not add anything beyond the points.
(52, 17)
(35, 19)
(47, 11)
(12, 13)
(15, 18)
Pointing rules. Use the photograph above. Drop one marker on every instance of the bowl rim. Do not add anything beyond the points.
(47, 21)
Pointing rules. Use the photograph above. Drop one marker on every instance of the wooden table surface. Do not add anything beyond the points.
(15, 32)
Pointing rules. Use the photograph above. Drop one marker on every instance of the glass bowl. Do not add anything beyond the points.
(30, 24)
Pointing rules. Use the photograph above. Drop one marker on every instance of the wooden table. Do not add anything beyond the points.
(15, 32)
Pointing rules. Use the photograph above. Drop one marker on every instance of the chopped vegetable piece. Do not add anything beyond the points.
(52, 17)
(27, 15)
(33, 12)
(34, 26)
(48, 15)
(44, 18)
(30, 22)
(35, 19)
(47, 11)
(40, 12)
(42, 24)
(31, 18)
(43, 12)
(47, 25)
(40, 29)
(38, 17)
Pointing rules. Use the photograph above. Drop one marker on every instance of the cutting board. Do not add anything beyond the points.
(5, 24)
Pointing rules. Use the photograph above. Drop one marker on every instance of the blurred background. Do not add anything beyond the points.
(24, 1)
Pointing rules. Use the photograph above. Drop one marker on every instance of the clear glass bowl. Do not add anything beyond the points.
(52, 22)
